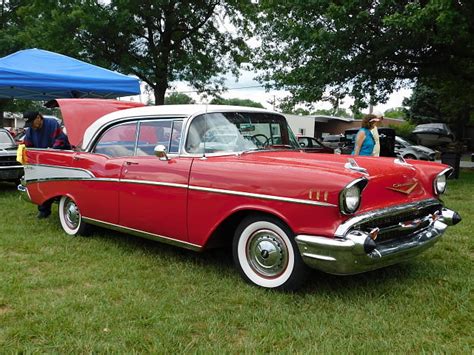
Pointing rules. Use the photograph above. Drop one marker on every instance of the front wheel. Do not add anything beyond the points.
(266, 254)
(71, 218)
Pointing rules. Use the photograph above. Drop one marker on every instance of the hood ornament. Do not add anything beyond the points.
(406, 188)
(352, 165)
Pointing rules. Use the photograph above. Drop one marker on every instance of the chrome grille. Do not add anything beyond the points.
(401, 225)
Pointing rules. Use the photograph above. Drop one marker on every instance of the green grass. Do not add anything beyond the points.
(115, 293)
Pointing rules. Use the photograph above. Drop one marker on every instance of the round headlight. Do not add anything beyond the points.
(440, 183)
(352, 198)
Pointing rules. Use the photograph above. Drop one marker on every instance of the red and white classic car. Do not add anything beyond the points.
(200, 176)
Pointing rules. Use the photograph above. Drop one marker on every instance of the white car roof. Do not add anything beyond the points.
(164, 111)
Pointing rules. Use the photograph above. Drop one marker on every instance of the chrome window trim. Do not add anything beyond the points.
(123, 120)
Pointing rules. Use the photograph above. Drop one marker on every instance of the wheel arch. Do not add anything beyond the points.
(223, 233)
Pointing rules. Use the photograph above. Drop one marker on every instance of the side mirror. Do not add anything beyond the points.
(302, 144)
(160, 152)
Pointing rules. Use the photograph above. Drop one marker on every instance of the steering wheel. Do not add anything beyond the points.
(260, 140)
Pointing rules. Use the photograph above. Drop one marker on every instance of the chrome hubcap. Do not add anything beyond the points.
(267, 253)
(71, 214)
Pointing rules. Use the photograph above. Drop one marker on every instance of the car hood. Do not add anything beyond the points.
(7, 148)
(78, 114)
(337, 164)
(390, 181)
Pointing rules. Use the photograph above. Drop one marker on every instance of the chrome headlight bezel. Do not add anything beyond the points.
(350, 197)
(441, 180)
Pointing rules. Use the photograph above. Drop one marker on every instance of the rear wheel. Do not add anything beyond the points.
(71, 218)
(266, 254)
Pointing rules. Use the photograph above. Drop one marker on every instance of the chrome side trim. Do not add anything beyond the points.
(9, 167)
(143, 234)
(350, 223)
(261, 196)
(41, 172)
(147, 182)
(47, 173)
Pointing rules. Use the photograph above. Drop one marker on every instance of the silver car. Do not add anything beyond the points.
(10, 169)
(409, 150)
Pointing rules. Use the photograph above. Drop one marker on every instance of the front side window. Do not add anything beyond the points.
(151, 134)
(232, 132)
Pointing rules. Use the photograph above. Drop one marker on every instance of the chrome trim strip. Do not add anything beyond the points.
(147, 182)
(350, 223)
(265, 197)
(140, 233)
(91, 177)
(11, 167)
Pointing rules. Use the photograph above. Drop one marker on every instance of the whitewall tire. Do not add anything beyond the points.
(70, 217)
(266, 254)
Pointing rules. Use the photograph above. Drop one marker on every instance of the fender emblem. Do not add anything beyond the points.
(404, 188)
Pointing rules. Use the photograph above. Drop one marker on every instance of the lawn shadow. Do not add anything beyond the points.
(375, 282)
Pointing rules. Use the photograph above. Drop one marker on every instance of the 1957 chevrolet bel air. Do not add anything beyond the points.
(200, 176)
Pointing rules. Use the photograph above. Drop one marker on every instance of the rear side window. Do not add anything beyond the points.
(118, 141)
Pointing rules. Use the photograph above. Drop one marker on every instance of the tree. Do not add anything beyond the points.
(236, 102)
(440, 102)
(396, 112)
(366, 49)
(162, 41)
(159, 41)
(177, 98)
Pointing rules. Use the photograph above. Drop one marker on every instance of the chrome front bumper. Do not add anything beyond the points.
(357, 252)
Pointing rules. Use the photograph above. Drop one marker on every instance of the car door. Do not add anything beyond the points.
(153, 191)
(98, 197)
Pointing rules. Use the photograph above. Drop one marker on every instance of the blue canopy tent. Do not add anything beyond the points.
(36, 74)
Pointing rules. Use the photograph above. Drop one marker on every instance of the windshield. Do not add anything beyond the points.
(5, 138)
(232, 132)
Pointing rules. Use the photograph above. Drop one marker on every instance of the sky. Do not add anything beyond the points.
(247, 88)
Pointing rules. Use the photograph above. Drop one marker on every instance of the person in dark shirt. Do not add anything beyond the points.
(44, 132)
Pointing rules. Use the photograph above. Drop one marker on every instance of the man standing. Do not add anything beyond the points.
(375, 134)
(44, 132)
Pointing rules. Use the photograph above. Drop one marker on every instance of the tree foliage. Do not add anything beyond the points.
(159, 41)
(366, 49)
(396, 112)
(177, 98)
(236, 102)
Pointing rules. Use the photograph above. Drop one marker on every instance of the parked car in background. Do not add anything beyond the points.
(433, 135)
(334, 141)
(312, 145)
(209, 183)
(409, 150)
(386, 136)
(10, 169)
